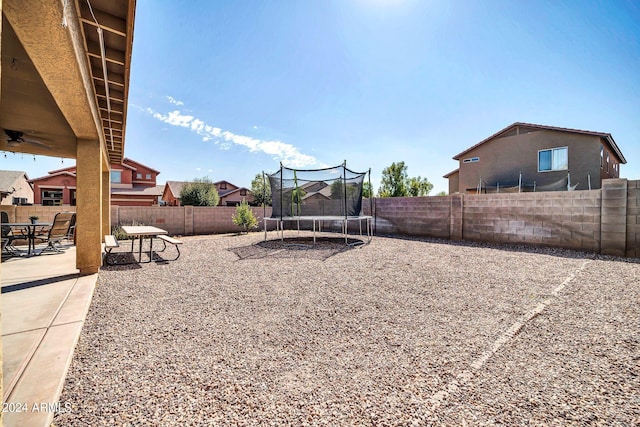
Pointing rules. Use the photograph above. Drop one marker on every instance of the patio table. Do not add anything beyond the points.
(142, 232)
(30, 229)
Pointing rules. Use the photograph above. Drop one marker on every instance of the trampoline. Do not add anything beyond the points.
(317, 196)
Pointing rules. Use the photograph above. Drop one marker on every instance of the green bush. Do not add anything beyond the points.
(244, 217)
(200, 192)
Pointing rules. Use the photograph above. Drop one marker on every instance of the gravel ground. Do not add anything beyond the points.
(397, 332)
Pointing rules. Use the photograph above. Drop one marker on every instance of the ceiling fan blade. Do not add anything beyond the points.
(38, 143)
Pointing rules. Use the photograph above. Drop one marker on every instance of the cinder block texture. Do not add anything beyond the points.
(633, 219)
(415, 216)
(613, 235)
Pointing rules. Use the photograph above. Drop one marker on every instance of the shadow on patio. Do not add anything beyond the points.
(44, 304)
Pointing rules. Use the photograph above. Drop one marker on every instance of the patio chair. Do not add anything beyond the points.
(58, 231)
(71, 234)
(7, 236)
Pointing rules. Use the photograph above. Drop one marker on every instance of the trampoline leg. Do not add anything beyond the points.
(346, 225)
(314, 231)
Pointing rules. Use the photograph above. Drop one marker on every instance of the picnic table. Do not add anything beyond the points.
(142, 232)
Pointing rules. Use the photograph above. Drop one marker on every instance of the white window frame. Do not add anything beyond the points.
(552, 150)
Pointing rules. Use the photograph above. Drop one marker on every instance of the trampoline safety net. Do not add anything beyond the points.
(335, 191)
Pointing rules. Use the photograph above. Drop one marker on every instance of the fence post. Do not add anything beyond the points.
(455, 226)
(613, 229)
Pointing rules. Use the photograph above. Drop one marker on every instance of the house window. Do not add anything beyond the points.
(148, 176)
(19, 201)
(471, 160)
(223, 185)
(553, 160)
(116, 177)
(51, 197)
(139, 176)
(607, 162)
(243, 192)
(601, 156)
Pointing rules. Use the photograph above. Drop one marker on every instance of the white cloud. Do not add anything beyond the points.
(281, 151)
(174, 101)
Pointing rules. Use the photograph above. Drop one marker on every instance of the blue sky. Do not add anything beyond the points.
(228, 89)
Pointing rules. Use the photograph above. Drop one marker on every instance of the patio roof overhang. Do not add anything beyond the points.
(54, 62)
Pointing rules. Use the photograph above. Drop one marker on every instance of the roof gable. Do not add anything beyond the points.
(51, 175)
(8, 178)
(132, 164)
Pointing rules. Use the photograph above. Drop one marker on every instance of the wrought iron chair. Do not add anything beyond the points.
(58, 231)
(7, 236)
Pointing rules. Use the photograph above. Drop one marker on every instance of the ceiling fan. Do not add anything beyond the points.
(16, 138)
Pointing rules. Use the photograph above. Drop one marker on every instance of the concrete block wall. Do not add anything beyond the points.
(208, 220)
(563, 219)
(604, 221)
(614, 217)
(416, 216)
(44, 213)
(183, 220)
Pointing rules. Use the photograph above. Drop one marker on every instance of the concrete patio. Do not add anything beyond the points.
(44, 304)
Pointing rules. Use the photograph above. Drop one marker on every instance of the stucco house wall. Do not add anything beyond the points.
(501, 159)
(64, 182)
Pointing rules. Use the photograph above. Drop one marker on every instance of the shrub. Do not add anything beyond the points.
(200, 192)
(244, 217)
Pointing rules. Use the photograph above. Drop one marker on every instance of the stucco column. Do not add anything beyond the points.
(106, 201)
(1, 376)
(89, 206)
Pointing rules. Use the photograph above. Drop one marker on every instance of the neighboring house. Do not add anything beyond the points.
(230, 194)
(15, 188)
(132, 184)
(171, 193)
(530, 157)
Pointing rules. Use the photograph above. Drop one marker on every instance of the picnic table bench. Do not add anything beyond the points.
(111, 243)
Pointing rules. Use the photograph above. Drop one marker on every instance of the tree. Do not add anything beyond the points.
(367, 191)
(394, 181)
(418, 186)
(261, 190)
(244, 217)
(337, 189)
(200, 192)
(442, 193)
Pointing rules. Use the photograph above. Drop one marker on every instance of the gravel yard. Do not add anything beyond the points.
(396, 332)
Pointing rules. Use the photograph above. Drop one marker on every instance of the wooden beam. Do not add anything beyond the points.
(111, 55)
(106, 21)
